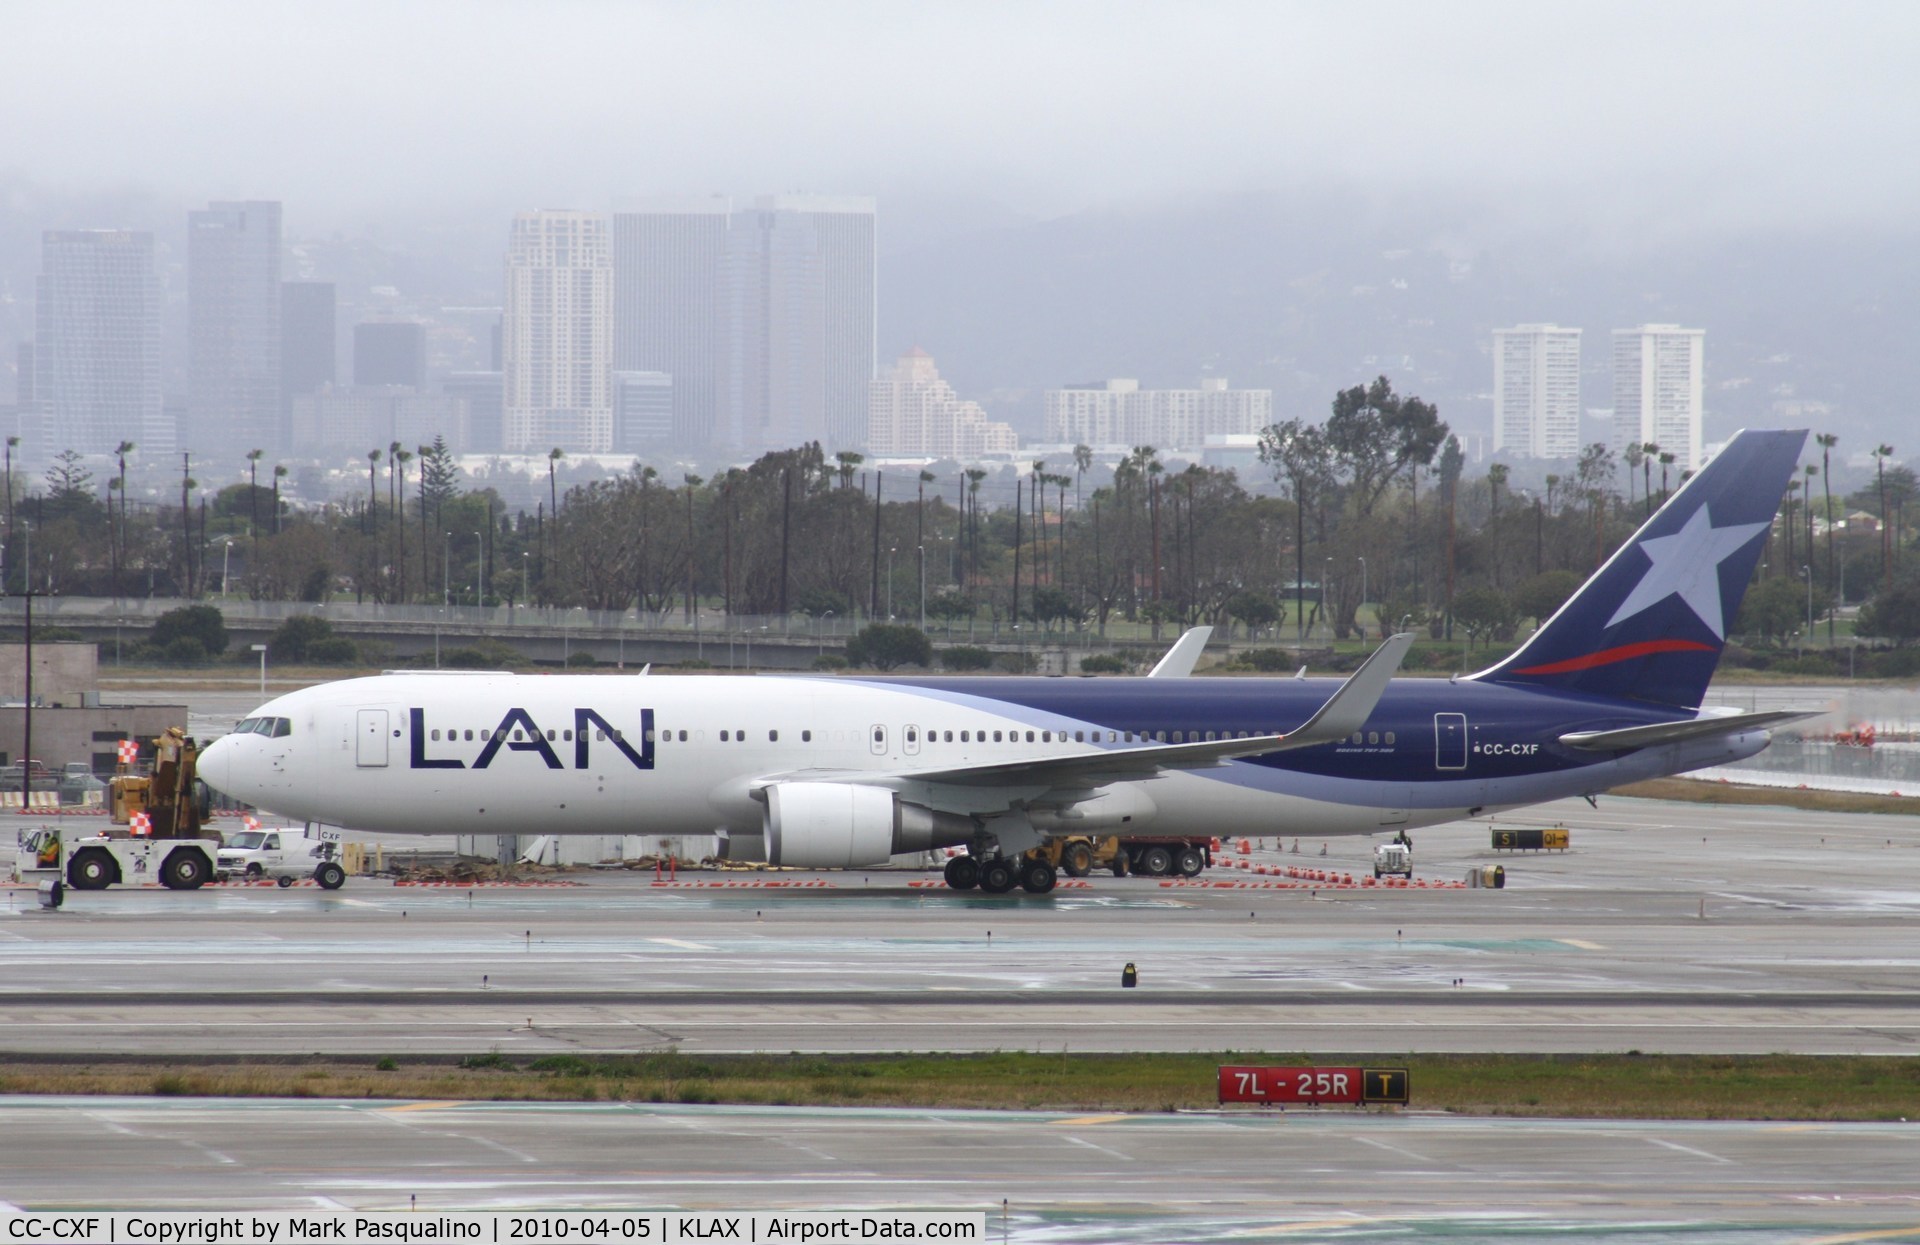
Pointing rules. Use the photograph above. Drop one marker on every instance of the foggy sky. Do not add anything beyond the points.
(1618, 116)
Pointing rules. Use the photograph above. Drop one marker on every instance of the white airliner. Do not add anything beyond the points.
(837, 771)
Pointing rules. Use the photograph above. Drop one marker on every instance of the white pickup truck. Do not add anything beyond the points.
(1393, 859)
(283, 856)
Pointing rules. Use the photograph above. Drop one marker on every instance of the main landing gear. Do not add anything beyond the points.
(997, 875)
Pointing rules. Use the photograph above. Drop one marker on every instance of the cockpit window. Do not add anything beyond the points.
(282, 727)
(245, 726)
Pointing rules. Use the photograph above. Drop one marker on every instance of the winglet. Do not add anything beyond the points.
(1183, 656)
(1348, 709)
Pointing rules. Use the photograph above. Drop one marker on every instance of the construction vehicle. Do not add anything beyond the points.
(163, 812)
(1078, 855)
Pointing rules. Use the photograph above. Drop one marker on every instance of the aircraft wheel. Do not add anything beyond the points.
(1156, 861)
(185, 870)
(330, 876)
(1077, 860)
(285, 880)
(997, 876)
(1189, 862)
(963, 873)
(1038, 877)
(90, 871)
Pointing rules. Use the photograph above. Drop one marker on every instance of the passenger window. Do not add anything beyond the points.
(617, 734)
(996, 737)
(964, 738)
(1046, 737)
(913, 735)
(683, 737)
(485, 735)
(1029, 736)
(567, 735)
(517, 736)
(649, 736)
(549, 734)
(723, 737)
(1389, 738)
(806, 737)
(1161, 736)
(469, 736)
(1373, 737)
(949, 738)
(773, 737)
(436, 734)
(1079, 737)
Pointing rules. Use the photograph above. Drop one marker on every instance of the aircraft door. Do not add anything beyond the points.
(910, 740)
(1449, 741)
(371, 726)
(877, 739)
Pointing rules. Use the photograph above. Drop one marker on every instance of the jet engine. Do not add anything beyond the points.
(836, 825)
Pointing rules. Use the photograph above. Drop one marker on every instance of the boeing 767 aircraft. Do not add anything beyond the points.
(839, 771)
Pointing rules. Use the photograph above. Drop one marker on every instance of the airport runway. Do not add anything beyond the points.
(1669, 927)
(1102, 1178)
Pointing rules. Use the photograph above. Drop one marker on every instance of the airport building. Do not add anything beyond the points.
(233, 328)
(912, 412)
(69, 722)
(96, 371)
(1119, 412)
(1536, 391)
(1659, 381)
(557, 341)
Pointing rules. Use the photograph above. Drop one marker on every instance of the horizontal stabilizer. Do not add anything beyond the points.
(1674, 732)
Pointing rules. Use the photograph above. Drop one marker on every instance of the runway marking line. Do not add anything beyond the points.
(1581, 943)
(682, 944)
(421, 1106)
(1885, 1234)
(1088, 1119)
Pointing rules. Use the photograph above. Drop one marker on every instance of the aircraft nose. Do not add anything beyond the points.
(216, 765)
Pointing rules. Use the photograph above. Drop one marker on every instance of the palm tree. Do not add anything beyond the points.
(848, 460)
(399, 460)
(279, 470)
(253, 495)
(1667, 459)
(1827, 441)
(1649, 451)
(693, 482)
(1634, 455)
(120, 453)
(373, 485)
(11, 442)
(920, 542)
(974, 476)
(1082, 463)
(1880, 455)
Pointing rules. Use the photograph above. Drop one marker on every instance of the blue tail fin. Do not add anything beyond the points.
(1650, 624)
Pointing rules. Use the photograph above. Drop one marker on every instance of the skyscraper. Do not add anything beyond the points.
(307, 337)
(1536, 391)
(669, 305)
(912, 411)
(96, 373)
(803, 309)
(1659, 383)
(556, 348)
(233, 328)
(390, 354)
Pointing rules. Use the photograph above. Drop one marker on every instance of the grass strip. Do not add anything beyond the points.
(1630, 1086)
(1701, 791)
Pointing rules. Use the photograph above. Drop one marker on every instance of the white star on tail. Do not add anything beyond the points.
(1688, 563)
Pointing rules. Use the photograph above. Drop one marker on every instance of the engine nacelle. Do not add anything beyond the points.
(837, 825)
(828, 825)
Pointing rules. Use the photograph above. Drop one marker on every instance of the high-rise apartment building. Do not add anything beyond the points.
(912, 412)
(96, 370)
(308, 338)
(1659, 385)
(642, 412)
(233, 328)
(1536, 391)
(1120, 413)
(390, 354)
(482, 392)
(670, 305)
(557, 344)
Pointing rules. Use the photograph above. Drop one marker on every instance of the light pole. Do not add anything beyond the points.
(1808, 572)
(525, 583)
(226, 557)
(479, 563)
(923, 587)
(1363, 598)
(446, 571)
(890, 552)
(823, 635)
(1326, 610)
(262, 650)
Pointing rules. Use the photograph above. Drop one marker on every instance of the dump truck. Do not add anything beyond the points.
(1078, 855)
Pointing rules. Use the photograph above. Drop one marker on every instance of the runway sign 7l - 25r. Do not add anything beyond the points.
(1355, 1087)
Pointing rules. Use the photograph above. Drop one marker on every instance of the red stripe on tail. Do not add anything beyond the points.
(1626, 652)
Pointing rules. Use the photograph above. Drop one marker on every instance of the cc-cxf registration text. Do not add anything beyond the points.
(489, 1228)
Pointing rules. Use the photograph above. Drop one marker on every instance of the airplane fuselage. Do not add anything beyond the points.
(616, 754)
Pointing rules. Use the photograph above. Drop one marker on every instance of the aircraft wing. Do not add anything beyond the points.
(1344, 713)
(1183, 656)
(1674, 732)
